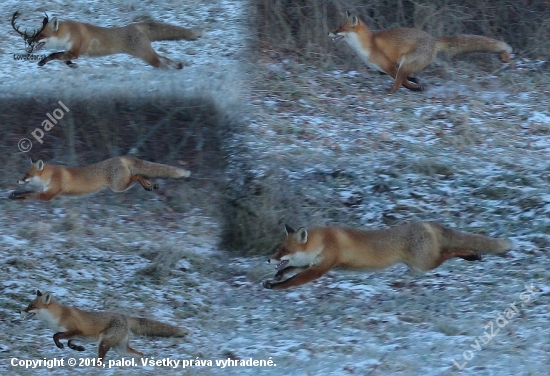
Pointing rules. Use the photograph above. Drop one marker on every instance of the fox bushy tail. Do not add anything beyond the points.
(146, 327)
(161, 31)
(157, 170)
(453, 239)
(457, 44)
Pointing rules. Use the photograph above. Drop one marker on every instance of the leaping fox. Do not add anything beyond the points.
(402, 51)
(118, 173)
(79, 38)
(421, 246)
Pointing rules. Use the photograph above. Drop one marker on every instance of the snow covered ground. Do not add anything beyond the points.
(471, 152)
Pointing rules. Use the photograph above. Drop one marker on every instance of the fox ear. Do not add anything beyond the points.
(38, 293)
(353, 20)
(46, 298)
(39, 165)
(32, 160)
(55, 24)
(348, 13)
(301, 236)
(289, 230)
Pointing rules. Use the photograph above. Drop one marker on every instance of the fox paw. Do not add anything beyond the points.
(267, 285)
(156, 186)
(42, 62)
(474, 257)
(71, 64)
(14, 196)
(279, 275)
(17, 195)
(75, 347)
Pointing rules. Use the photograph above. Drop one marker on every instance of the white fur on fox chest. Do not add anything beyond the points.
(52, 322)
(302, 259)
(55, 43)
(355, 43)
(38, 182)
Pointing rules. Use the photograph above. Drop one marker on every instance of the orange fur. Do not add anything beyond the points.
(118, 173)
(400, 52)
(85, 39)
(421, 246)
(112, 330)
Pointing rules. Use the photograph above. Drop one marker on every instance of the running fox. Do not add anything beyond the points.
(118, 173)
(422, 246)
(401, 52)
(84, 39)
(112, 330)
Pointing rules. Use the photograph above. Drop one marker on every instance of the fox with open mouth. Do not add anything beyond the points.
(421, 246)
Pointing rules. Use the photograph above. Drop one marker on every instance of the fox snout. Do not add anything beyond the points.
(279, 264)
(39, 45)
(335, 35)
(25, 315)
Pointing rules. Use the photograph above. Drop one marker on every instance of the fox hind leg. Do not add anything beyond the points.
(124, 349)
(123, 183)
(146, 183)
(152, 58)
(461, 253)
(403, 78)
(113, 337)
(474, 257)
(410, 78)
(170, 63)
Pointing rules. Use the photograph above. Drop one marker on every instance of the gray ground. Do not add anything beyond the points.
(471, 152)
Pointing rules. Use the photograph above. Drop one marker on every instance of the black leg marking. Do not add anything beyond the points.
(475, 257)
(74, 347)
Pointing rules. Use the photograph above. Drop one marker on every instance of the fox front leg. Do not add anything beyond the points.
(61, 335)
(301, 278)
(280, 274)
(66, 56)
(42, 196)
(20, 195)
(74, 347)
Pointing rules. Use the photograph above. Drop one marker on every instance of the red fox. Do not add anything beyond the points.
(421, 246)
(118, 173)
(401, 52)
(84, 39)
(112, 330)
